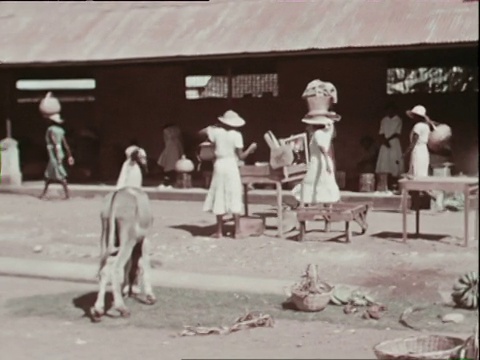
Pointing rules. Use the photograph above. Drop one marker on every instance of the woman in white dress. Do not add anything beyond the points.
(319, 185)
(420, 157)
(390, 159)
(225, 192)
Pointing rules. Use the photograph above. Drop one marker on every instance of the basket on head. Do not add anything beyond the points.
(418, 348)
(311, 302)
(49, 105)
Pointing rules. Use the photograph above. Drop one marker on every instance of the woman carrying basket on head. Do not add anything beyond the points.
(319, 185)
(56, 146)
(225, 192)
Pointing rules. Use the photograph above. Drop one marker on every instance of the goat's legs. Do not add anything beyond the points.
(99, 308)
(146, 272)
(118, 271)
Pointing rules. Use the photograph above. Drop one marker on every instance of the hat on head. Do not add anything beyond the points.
(56, 118)
(231, 118)
(418, 110)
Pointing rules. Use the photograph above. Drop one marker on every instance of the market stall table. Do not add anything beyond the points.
(466, 185)
(252, 174)
(335, 212)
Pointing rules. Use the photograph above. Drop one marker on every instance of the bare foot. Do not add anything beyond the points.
(217, 235)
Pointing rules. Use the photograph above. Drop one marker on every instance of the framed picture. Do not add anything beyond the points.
(299, 144)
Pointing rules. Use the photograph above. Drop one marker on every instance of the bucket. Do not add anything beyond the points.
(252, 225)
(442, 171)
(367, 182)
(382, 182)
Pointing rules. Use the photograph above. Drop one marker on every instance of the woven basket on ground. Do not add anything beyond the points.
(418, 348)
(311, 302)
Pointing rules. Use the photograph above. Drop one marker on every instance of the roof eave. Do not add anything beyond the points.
(269, 54)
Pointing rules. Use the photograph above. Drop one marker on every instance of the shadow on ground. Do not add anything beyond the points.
(395, 236)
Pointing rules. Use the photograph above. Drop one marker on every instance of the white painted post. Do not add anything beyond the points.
(10, 173)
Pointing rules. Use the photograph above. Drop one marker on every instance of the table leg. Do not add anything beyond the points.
(303, 230)
(466, 213)
(348, 232)
(417, 222)
(245, 198)
(404, 214)
(278, 186)
(477, 222)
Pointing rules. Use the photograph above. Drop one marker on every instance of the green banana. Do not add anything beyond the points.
(475, 302)
(464, 279)
(472, 276)
(335, 301)
(458, 286)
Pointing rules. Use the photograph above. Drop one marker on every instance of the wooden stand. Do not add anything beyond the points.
(252, 174)
(466, 185)
(334, 213)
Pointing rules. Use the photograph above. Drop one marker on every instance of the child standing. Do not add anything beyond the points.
(225, 192)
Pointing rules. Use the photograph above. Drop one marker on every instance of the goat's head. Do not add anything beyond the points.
(139, 156)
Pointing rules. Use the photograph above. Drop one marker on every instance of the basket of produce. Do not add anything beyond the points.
(465, 291)
(311, 294)
(419, 348)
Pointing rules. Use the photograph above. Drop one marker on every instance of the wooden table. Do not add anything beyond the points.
(252, 175)
(466, 185)
(335, 212)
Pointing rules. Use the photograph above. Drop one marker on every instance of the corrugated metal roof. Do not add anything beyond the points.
(87, 31)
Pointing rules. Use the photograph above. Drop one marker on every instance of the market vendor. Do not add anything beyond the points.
(319, 184)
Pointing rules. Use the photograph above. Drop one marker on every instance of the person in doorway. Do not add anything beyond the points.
(56, 144)
(319, 184)
(173, 152)
(367, 163)
(390, 160)
(225, 192)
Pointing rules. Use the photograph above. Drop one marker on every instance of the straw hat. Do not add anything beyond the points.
(231, 118)
(56, 118)
(418, 110)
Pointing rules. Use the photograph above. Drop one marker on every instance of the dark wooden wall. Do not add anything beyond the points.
(135, 101)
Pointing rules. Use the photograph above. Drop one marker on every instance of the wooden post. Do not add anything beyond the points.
(477, 222)
(278, 186)
(466, 213)
(245, 198)
(404, 213)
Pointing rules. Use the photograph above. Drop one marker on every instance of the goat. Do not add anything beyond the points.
(131, 173)
(131, 176)
(126, 218)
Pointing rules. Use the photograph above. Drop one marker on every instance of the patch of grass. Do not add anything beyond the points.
(176, 308)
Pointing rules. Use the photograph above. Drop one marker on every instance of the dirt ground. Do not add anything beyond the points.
(23, 338)
(421, 268)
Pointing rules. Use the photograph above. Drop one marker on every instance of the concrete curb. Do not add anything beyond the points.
(384, 202)
(86, 273)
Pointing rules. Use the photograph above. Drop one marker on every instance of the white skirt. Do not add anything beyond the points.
(419, 160)
(390, 159)
(318, 185)
(225, 193)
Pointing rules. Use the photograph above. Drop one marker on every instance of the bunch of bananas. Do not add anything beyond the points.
(465, 291)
